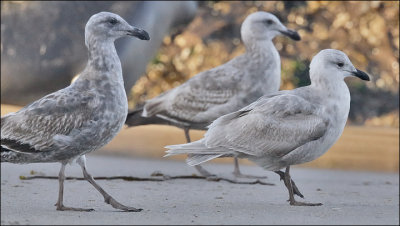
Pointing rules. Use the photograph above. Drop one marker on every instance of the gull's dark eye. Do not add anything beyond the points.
(113, 21)
(340, 64)
(269, 22)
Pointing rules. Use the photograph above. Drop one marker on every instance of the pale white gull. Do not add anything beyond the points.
(67, 124)
(224, 89)
(286, 127)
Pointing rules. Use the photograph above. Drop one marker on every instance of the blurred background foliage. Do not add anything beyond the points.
(368, 31)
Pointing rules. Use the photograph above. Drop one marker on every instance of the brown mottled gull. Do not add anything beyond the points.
(224, 89)
(286, 127)
(67, 124)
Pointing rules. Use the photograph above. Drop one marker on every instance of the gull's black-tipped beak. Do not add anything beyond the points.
(362, 75)
(139, 33)
(292, 34)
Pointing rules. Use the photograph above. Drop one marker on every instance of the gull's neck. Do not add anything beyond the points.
(334, 95)
(103, 61)
(257, 45)
(335, 89)
(103, 56)
(265, 57)
(263, 52)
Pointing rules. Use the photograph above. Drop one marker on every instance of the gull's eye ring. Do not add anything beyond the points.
(113, 21)
(269, 22)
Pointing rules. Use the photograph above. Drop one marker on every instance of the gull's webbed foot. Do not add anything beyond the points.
(119, 206)
(66, 208)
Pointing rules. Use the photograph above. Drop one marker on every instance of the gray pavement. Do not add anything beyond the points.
(349, 197)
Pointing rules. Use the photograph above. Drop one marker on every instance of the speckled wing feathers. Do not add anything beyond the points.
(271, 126)
(198, 95)
(33, 127)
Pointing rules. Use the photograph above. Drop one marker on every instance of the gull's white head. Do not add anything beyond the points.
(332, 64)
(264, 26)
(109, 26)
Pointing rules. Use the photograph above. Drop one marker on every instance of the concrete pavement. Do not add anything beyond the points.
(349, 197)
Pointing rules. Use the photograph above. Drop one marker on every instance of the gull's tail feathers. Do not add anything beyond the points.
(135, 118)
(9, 155)
(153, 106)
(5, 154)
(193, 160)
(197, 152)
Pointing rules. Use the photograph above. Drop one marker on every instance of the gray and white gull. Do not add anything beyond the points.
(224, 89)
(69, 123)
(284, 128)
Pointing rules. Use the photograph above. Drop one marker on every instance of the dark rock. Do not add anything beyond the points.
(43, 48)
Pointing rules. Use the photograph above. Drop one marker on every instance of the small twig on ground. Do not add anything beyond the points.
(161, 177)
